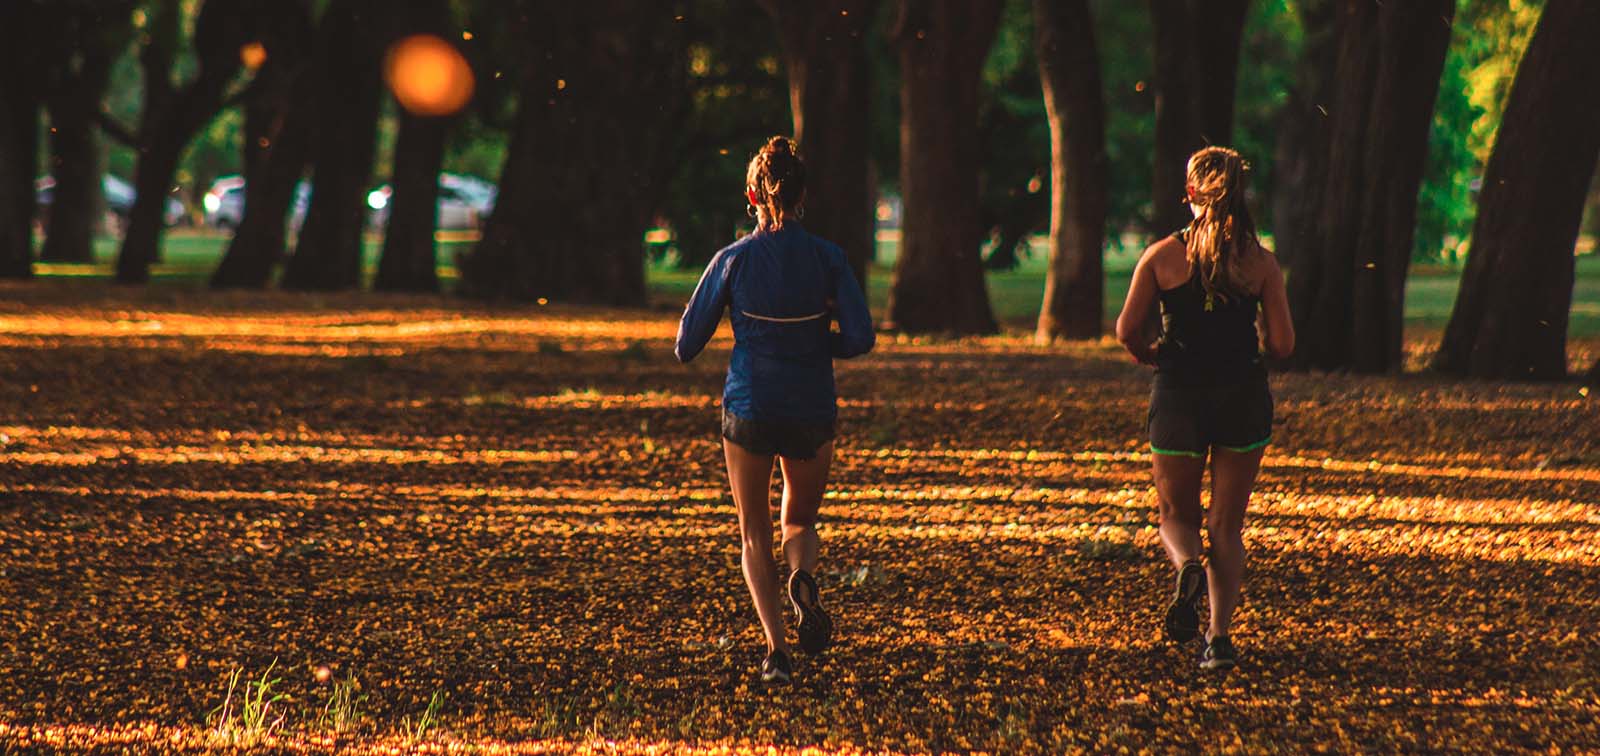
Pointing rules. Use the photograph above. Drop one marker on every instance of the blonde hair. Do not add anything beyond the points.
(777, 177)
(1222, 230)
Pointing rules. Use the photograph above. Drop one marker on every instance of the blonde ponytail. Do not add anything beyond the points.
(1222, 230)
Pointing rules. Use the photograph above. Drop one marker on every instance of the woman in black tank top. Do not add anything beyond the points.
(1221, 298)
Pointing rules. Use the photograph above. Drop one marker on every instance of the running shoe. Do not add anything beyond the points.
(1183, 616)
(816, 630)
(777, 669)
(1219, 654)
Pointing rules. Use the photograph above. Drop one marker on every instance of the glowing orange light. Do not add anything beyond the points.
(252, 55)
(428, 76)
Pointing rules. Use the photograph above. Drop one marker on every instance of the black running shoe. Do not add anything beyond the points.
(1183, 616)
(777, 669)
(1219, 654)
(816, 630)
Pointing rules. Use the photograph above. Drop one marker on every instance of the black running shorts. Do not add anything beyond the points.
(790, 439)
(1186, 421)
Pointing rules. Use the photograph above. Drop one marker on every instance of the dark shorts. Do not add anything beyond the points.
(791, 439)
(1188, 420)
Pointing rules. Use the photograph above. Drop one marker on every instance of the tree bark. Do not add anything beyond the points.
(327, 256)
(1069, 70)
(90, 39)
(19, 136)
(589, 157)
(830, 80)
(276, 148)
(1301, 153)
(1197, 64)
(938, 279)
(1510, 316)
(171, 116)
(1347, 292)
(408, 262)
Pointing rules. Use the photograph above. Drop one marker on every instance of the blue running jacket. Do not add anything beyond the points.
(783, 289)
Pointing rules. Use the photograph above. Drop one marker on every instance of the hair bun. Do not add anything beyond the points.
(780, 145)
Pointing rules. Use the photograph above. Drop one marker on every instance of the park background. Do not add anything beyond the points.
(395, 457)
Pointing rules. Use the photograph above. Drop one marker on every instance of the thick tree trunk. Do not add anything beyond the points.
(824, 46)
(1346, 291)
(277, 144)
(408, 261)
(1300, 157)
(276, 148)
(328, 254)
(1069, 70)
(938, 278)
(589, 155)
(19, 138)
(171, 117)
(1197, 63)
(1397, 147)
(1510, 317)
(78, 199)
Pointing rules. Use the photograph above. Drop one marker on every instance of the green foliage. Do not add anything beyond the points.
(1486, 44)
(740, 97)
(1015, 133)
(1269, 51)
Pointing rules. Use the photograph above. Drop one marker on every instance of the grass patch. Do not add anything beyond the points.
(248, 714)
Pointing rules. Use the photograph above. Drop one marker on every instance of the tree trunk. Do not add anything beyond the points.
(1301, 153)
(938, 278)
(1510, 317)
(1347, 290)
(1069, 70)
(84, 71)
(328, 254)
(589, 156)
(171, 117)
(276, 147)
(830, 80)
(19, 138)
(1397, 132)
(1197, 63)
(408, 262)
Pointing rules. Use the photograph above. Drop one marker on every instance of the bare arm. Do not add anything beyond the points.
(1277, 325)
(1133, 324)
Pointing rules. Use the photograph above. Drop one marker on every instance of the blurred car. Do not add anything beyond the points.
(464, 202)
(224, 203)
(119, 197)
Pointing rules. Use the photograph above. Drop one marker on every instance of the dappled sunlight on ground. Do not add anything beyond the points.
(523, 510)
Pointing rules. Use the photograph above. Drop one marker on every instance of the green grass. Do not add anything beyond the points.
(188, 257)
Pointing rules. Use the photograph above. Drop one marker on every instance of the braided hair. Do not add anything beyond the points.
(777, 178)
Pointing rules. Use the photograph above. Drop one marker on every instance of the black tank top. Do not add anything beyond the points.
(1207, 340)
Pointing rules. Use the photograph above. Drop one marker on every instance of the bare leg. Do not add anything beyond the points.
(749, 475)
(1178, 490)
(1233, 476)
(804, 482)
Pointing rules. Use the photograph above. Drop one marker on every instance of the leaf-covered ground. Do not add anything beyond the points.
(523, 510)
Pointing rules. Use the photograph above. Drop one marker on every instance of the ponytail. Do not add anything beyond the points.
(1222, 229)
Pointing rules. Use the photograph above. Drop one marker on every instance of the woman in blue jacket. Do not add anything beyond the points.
(782, 288)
